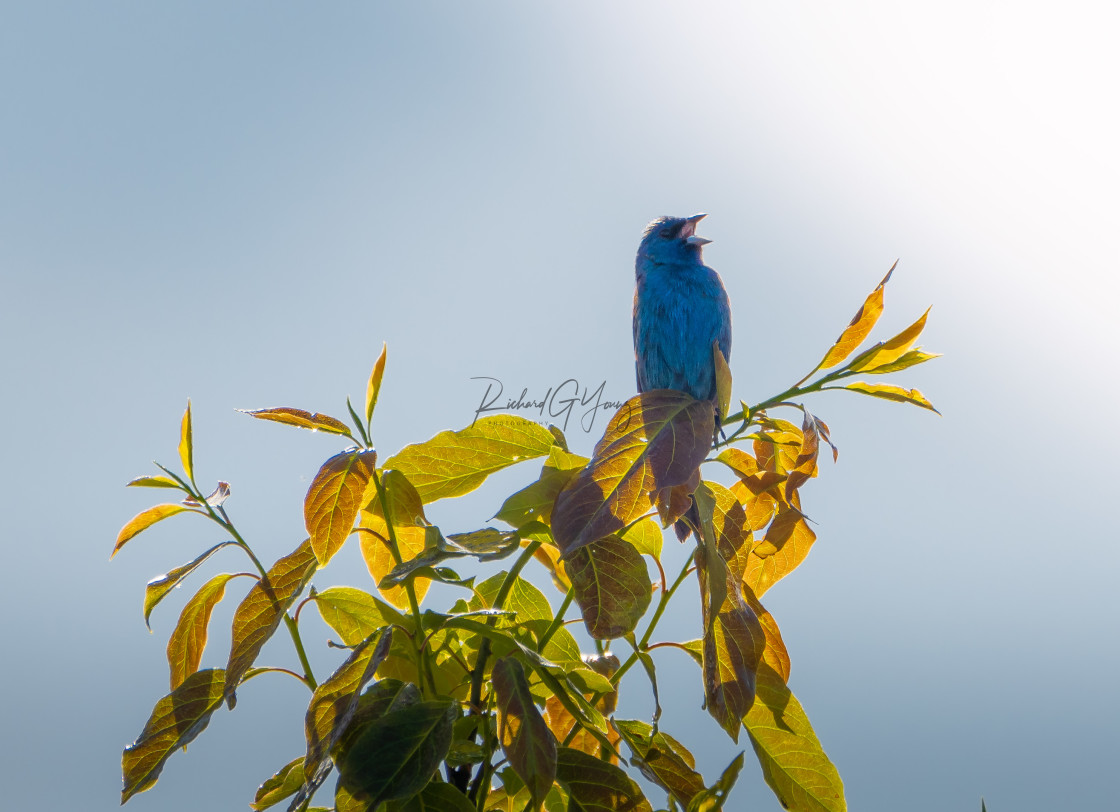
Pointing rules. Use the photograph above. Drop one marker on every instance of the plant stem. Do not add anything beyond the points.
(557, 622)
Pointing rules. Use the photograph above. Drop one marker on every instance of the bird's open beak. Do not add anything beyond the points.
(688, 231)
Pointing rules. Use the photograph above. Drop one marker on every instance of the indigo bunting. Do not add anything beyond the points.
(680, 308)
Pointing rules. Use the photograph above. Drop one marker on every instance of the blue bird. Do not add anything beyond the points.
(680, 308)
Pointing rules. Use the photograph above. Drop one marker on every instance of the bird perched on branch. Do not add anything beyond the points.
(680, 308)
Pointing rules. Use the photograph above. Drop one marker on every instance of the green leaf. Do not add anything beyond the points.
(713, 798)
(161, 586)
(145, 519)
(535, 501)
(611, 586)
(793, 762)
(188, 640)
(154, 482)
(334, 499)
(456, 462)
(186, 443)
(300, 418)
(260, 612)
(887, 352)
(175, 722)
(353, 614)
(373, 388)
(485, 545)
(597, 786)
(333, 705)
(723, 381)
(888, 392)
(524, 736)
(435, 797)
(285, 782)
(860, 326)
(662, 759)
(395, 756)
(656, 440)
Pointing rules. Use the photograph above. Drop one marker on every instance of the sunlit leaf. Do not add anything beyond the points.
(596, 785)
(437, 796)
(724, 518)
(561, 720)
(334, 499)
(713, 798)
(333, 705)
(525, 738)
(373, 388)
(175, 722)
(860, 326)
(153, 482)
(535, 501)
(142, 521)
(888, 392)
(656, 440)
(394, 756)
(261, 611)
(787, 542)
(662, 759)
(911, 358)
(353, 614)
(186, 443)
(456, 462)
(793, 762)
(287, 781)
(733, 645)
(646, 537)
(723, 381)
(162, 585)
(887, 352)
(611, 586)
(300, 418)
(188, 640)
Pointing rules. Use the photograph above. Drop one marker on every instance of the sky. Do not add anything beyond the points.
(238, 203)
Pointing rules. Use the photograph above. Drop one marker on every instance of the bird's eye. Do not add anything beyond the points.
(666, 233)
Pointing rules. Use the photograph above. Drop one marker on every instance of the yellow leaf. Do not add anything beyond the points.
(889, 392)
(787, 542)
(860, 326)
(188, 641)
(142, 521)
(374, 385)
(910, 359)
(887, 352)
(186, 443)
(723, 382)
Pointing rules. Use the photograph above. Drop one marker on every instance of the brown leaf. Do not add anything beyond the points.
(860, 326)
(656, 440)
(373, 388)
(724, 521)
(143, 520)
(805, 466)
(334, 499)
(662, 759)
(673, 503)
(300, 418)
(594, 784)
(734, 642)
(525, 738)
(261, 611)
(611, 586)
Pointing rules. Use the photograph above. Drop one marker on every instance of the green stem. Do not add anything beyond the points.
(423, 664)
(557, 621)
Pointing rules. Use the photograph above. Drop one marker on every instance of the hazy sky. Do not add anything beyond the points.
(238, 203)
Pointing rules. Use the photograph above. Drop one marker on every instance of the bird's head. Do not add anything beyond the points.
(672, 240)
